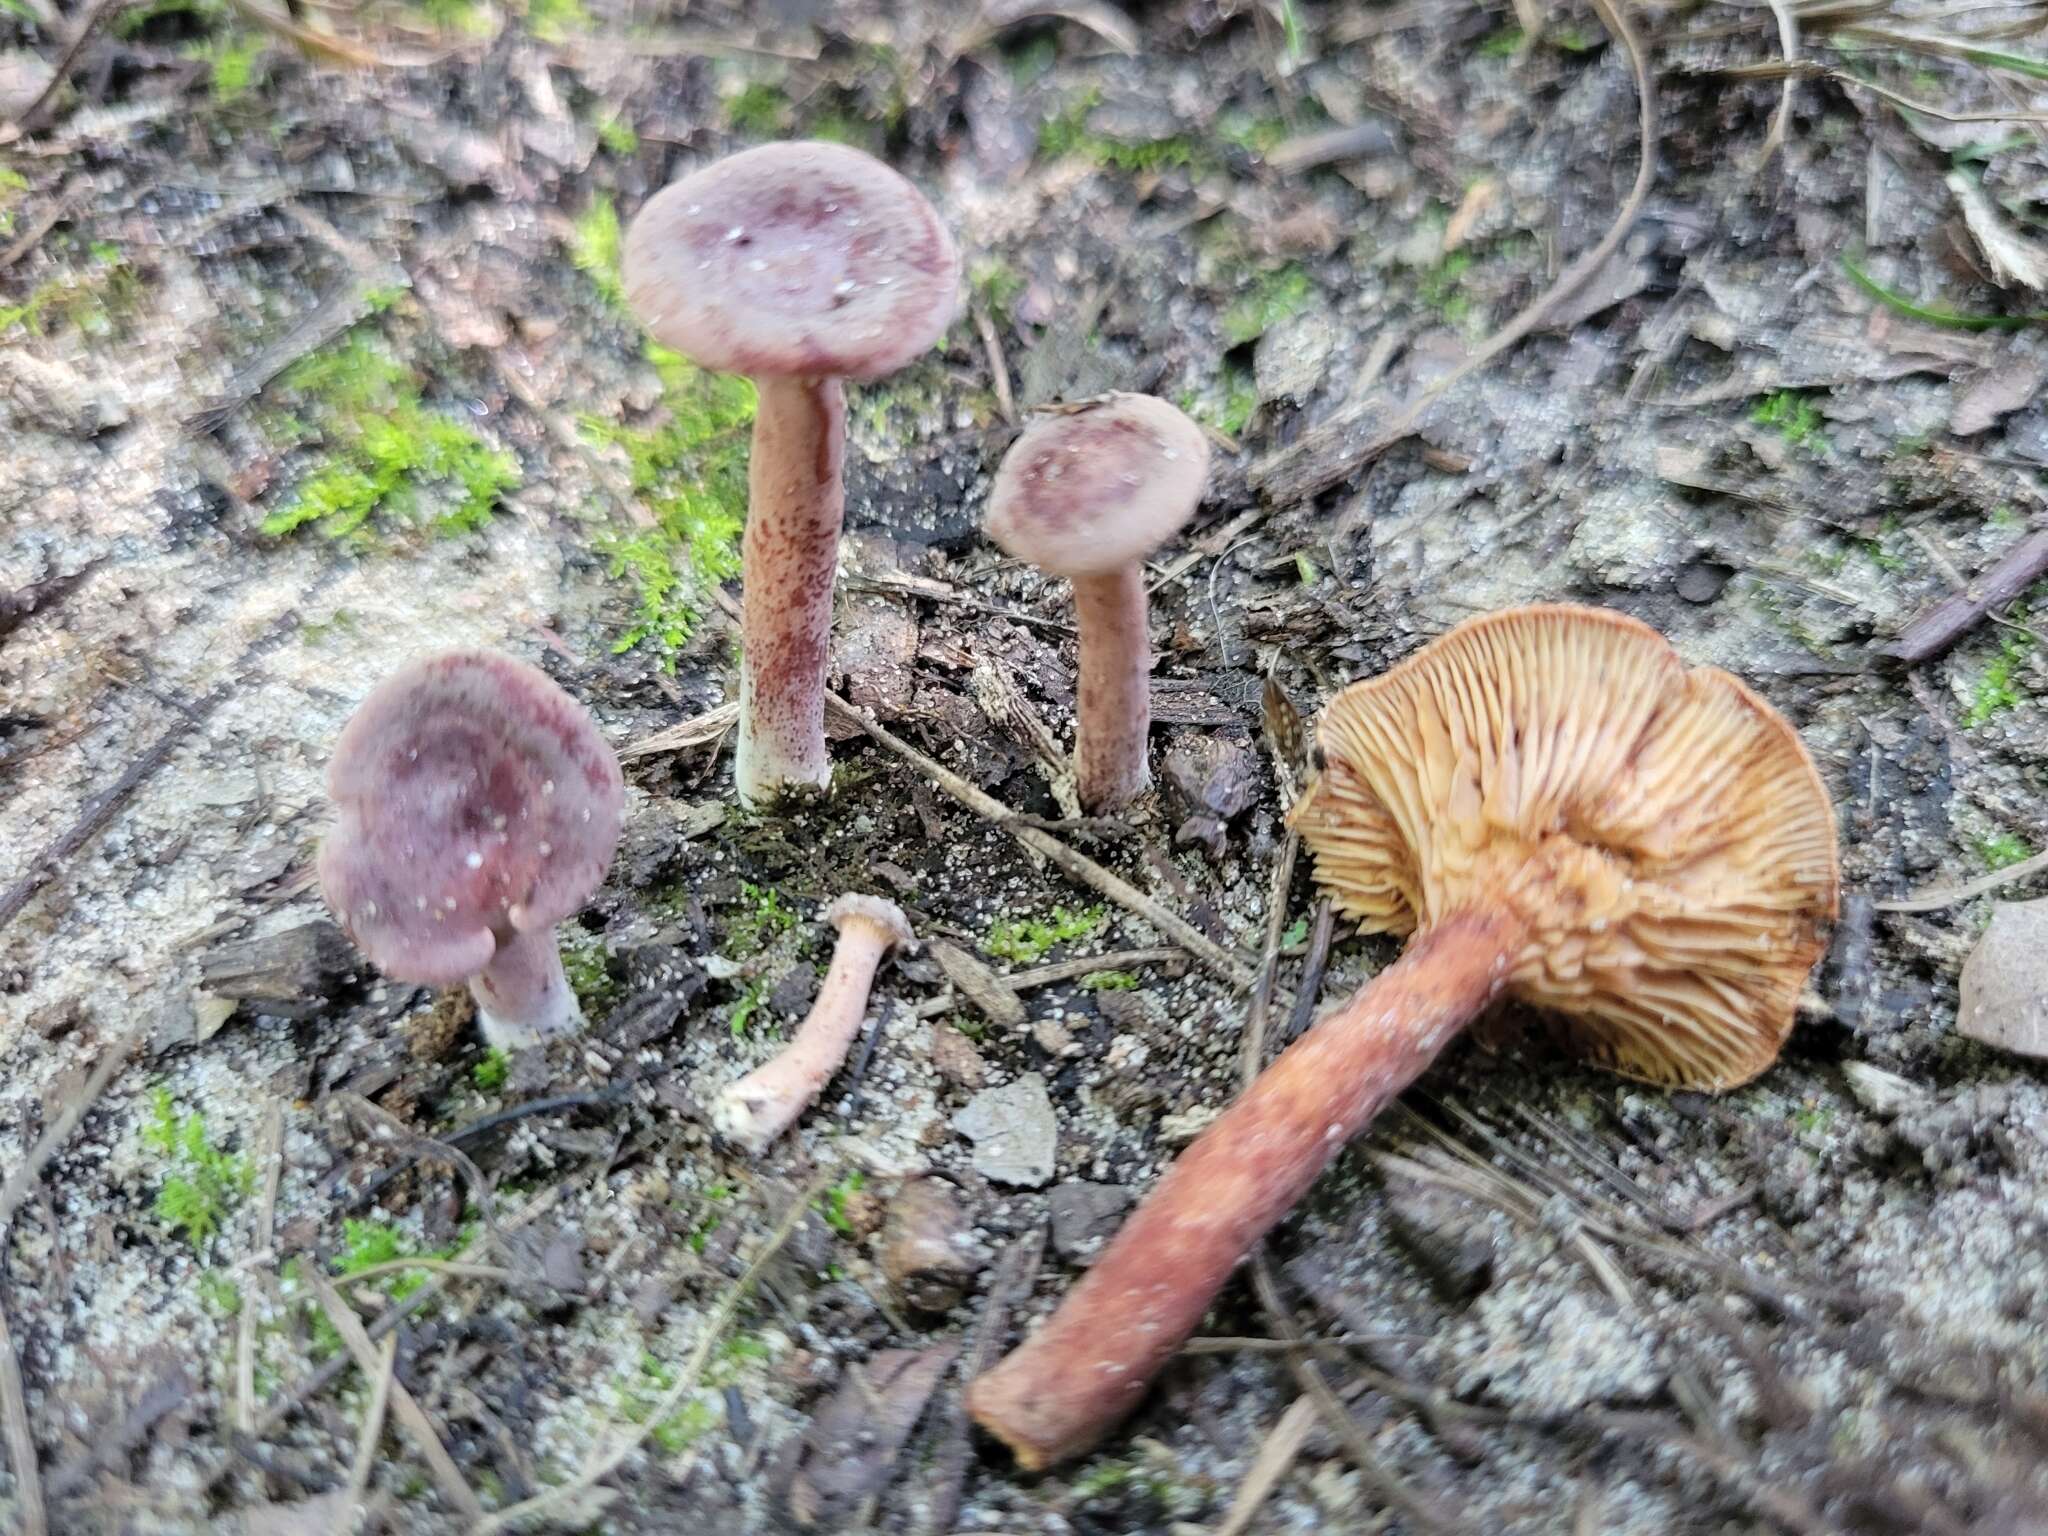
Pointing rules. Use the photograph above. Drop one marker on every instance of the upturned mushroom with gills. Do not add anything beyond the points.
(478, 807)
(1087, 493)
(766, 1102)
(799, 265)
(1553, 807)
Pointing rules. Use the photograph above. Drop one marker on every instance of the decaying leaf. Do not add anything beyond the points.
(2005, 981)
(854, 1438)
(2013, 258)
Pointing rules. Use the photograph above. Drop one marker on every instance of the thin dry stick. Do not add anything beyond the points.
(605, 1462)
(1788, 41)
(1079, 865)
(998, 365)
(1276, 1457)
(410, 1414)
(1341, 464)
(454, 1268)
(1935, 900)
(270, 1156)
(367, 1438)
(21, 1441)
(23, 1178)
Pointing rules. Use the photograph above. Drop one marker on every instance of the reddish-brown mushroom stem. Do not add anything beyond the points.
(766, 1102)
(1073, 1379)
(789, 556)
(1113, 696)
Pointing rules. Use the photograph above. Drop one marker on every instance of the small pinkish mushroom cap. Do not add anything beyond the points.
(797, 260)
(1087, 492)
(477, 800)
(877, 912)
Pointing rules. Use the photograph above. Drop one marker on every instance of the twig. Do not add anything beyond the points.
(21, 1440)
(333, 316)
(367, 1438)
(1079, 865)
(410, 1414)
(31, 117)
(454, 1268)
(270, 1157)
(1788, 42)
(998, 365)
(1316, 462)
(1813, 69)
(1010, 1285)
(1276, 1458)
(1228, 1345)
(482, 1126)
(1941, 626)
(1308, 988)
(607, 1461)
(23, 1178)
(1934, 900)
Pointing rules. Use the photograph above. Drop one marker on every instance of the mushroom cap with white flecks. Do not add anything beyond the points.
(476, 800)
(1090, 490)
(796, 260)
(1659, 829)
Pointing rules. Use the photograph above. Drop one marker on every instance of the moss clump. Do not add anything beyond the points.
(553, 20)
(90, 300)
(1272, 297)
(832, 1204)
(385, 448)
(1997, 688)
(1026, 940)
(1793, 415)
(758, 110)
(1440, 287)
(1226, 401)
(489, 1074)
(642, 1393)
(1067, 133)
(202, 1182)
(586, 961)
(596, 245)
(1109, 981)
(2002, 850)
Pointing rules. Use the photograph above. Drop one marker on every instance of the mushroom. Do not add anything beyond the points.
(799, 265)
(1554, 807)
(1088, 493)
(762, 1105)
(479, 806)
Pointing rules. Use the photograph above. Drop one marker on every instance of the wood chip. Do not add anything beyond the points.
(2005, 981)
(980, 985)
(2014, 259)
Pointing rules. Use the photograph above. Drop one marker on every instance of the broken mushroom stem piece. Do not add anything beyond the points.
(799, 265)
(1557, 809)
(1088, 493)
(478, 807)
(766, 1102)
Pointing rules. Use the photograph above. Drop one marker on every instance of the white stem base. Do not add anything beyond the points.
(523, 997)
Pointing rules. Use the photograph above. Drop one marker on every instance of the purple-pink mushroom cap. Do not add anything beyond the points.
(1091, 490)
(475, 800)
(797, 260)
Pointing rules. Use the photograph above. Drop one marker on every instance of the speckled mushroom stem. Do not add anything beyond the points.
(1072, 1380)
(788, 558)
(1114, 705)
(766, 1102)
(523, 996)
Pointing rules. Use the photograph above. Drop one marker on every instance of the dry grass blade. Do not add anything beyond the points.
(699, 730)
(367, 1438)
(325, 46)
(1276, 1456)
(1788, 41)
(608, 1460)
(1949, 896)
(411, 1415)
(269, 1158)
(23, 1178)
(21, 1441)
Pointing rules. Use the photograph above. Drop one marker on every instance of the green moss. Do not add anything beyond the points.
(832, 1204)
(764, 917)
(553, 20)
(384, 448)
(1502, 44)
(1997, 688)
(1109, 981)
(1067, 133)
(1227, 400)
(490, 1073)
(708, 1223)
(1296, 933)
(596, 244)
(586, 961)
(1272, 297)
(1794, 416)
(746, 1005)
(758, 110)
(2002, 850)
(1251, 132)
(996, 285)
(643, 1392)
(618, 136)
(1032, 59)
(218, 1292)
(1440, 288)
(1026, 940)
(232, 57)
(202, 1183)
(90, 299)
